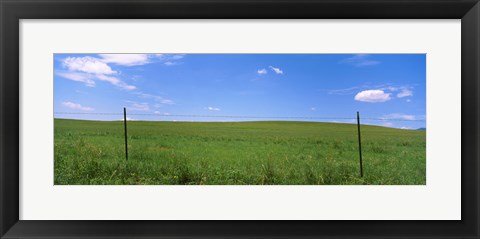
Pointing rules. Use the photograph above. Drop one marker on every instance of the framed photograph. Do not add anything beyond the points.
(214, 119)
(239, 119)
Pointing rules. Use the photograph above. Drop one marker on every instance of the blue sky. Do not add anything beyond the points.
(387, 87)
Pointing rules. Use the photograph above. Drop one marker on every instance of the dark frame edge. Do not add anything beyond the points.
(470, 113)
(11, 227)
(9, 121)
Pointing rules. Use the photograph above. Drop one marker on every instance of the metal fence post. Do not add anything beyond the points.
(125, 126)
(359, 144)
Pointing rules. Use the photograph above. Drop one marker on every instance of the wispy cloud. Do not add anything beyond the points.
(170, 59)
(360, 60)
(404, 93)
(372, 96)
(157, 98)
(81, 92)
(115, 81)
(174, 56)
(160, 113)
(86, 69)
(138, 106)
(87, 64)
(141, 59)
(213, 108)
(262, 71)
(397, 116)
(354, 89)
(77, 76)
(126, 59)
(76, 106)
(276, 70)
(313, 109)
(368, 91)
(170, 63)
(128, 119)
(388, 124)
(345, 91)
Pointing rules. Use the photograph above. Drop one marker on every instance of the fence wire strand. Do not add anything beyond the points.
(233, 116)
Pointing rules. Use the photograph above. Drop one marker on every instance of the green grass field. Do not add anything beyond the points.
(237, 153)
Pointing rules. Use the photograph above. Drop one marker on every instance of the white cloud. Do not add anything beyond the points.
(112, 80)
(276, 70)
(157, 98)
(177, 56)
(162, 104)
(81, 92)
(345, 91)
(85, 69)
(408, 100)
(388, 124)
(372, 96)
(166, 101)
(313, 108)
(158, 113)
(172, 63)
(360, 60)
(141, 59)
(213, 108)
(115, 81)
(135, 106)
(355, 89)
(398, 116)
(170, 59)
(76, 76)
(404, 93)
(87, 64)
(128, 119)
(262, 71)
(126, 59)
(75, 106)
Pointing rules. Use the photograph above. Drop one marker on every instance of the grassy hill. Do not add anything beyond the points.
(235, 153)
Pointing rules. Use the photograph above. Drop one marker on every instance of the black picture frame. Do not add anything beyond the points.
(12, 11)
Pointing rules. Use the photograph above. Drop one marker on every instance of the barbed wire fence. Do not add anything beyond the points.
(235, 116)
(245, 117)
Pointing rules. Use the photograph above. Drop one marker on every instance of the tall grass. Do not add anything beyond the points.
(235, 153)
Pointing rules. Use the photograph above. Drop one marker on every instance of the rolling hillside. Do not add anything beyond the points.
(235, 153)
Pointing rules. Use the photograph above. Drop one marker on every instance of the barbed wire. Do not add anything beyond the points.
(235, 116)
